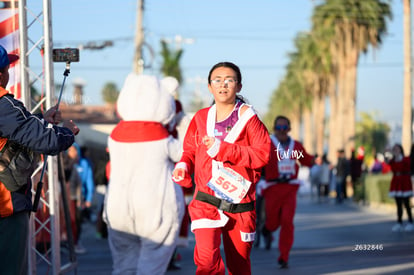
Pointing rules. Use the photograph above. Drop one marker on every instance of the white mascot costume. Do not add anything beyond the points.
(143, 207)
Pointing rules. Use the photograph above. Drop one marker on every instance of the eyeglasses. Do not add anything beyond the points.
(218, 82)
(282, 127)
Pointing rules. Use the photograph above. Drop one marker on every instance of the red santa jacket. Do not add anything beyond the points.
(246, 154)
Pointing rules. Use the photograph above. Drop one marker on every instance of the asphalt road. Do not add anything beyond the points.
(329, 239)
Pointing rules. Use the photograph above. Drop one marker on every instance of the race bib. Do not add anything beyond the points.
(229, 185)
(287, 167)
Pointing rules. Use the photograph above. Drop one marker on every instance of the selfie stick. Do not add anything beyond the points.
(40, 183)
(65, 74)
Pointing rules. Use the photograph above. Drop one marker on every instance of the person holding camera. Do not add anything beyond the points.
(35, 134)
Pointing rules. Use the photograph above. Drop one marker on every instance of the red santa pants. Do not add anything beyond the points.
(207, 249)
(280, 205)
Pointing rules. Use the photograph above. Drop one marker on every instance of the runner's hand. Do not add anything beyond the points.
(208, 141)
(178, 174)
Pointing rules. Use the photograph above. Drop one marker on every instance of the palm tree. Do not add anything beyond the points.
(289, 99)
(315, 69)
(302, 66)
(354, 25)
(110, 93)
(171, 61)
(301, 94)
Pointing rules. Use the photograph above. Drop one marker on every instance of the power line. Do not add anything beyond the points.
(245, 67)
(264, 37)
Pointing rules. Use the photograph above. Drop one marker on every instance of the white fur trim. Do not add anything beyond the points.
(247, 236)
(182, 165)
(213, 151)
(211, 121)
(237, 128)
(207, 223)
(404, 194)
(241, 122)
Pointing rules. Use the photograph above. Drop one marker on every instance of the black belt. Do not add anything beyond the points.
(224, 205)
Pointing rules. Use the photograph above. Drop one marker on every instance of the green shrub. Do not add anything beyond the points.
(376, 188)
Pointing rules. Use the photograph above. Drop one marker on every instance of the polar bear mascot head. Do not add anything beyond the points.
(145, 98)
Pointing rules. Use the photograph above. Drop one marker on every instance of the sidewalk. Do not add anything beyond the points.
(326, 235)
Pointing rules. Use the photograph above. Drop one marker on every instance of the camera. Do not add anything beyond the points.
(66, 55)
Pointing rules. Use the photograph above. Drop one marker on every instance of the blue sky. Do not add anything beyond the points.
(256, 35)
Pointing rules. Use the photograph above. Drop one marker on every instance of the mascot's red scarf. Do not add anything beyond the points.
(137, 131)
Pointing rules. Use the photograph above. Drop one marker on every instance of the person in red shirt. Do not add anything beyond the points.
(226, 146)
(401, 187)
(281, 186)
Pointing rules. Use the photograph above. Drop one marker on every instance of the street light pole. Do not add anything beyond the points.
(138, 63)
(407, 99)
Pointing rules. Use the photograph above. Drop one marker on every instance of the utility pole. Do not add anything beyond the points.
(138, 63)
(407, 98)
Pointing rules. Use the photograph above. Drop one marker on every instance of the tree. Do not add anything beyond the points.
(171, 61)
(110, 93)
(371, 134)
(288, 99)
(354, 25)
(314, 67)
(301, 94)
(325, 64)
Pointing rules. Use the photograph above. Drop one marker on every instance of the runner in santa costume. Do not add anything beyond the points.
(225, 146)
(281, 187)
(143, 207)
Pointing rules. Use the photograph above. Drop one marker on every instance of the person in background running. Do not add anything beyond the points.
(282, 186)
